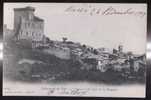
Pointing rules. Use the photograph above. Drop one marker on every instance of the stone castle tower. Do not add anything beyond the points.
(27, 26)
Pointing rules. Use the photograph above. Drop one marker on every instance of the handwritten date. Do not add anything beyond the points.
(107, 11)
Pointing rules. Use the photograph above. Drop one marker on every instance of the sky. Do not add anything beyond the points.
(93, 29)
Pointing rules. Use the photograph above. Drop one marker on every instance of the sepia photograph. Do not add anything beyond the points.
(74, 49)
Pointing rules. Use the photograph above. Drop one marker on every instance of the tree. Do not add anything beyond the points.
(47, 40)
(64, 39)
(114, 51)
(84, 46)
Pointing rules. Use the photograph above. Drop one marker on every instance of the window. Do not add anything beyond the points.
(24, 25)
(28, 24)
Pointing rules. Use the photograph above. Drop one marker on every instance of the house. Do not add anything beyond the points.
(27, 26)
(102, 65)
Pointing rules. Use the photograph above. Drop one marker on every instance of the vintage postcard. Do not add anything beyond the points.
(75, 49)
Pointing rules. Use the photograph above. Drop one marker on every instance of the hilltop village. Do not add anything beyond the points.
(30, 48)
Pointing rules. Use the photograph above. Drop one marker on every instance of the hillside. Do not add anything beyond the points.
(74, 63)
